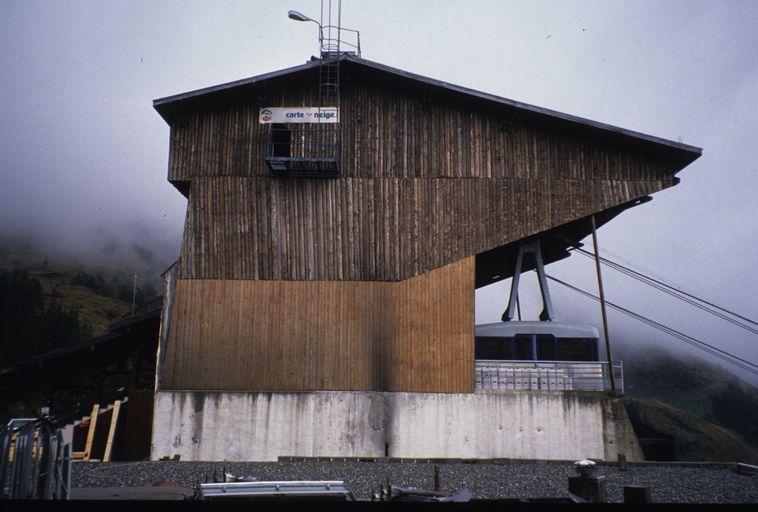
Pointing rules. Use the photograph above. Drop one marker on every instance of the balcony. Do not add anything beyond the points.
(546, 375)
(303, 151)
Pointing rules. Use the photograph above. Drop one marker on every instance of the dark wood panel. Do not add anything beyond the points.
(397, 133)
(413, 335)
(362, 229)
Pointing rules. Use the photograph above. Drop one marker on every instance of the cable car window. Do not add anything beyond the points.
(490, 347)
(576, 350)
(522, 347)
(545, 348)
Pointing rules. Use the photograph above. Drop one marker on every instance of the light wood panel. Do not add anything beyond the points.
(413, 335)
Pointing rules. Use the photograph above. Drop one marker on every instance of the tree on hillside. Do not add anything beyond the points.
(20, 305)
(27, 327)
(737, 408)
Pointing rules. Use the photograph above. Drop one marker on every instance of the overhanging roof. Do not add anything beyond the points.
(680, 154)
(499, 263)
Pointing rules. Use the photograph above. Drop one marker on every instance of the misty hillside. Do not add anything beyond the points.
(46, 303)
(711, 414)
(695, 439)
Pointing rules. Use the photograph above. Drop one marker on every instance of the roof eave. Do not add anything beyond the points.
(164, 105)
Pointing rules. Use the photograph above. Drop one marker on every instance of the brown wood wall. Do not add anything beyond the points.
(385, 229)
(414, 335)
(394, 133)
(423, 183)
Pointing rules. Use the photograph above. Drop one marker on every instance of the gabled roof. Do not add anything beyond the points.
(680, 154)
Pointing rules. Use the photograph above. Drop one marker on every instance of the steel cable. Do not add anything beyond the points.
(689, 298)
(717, 352)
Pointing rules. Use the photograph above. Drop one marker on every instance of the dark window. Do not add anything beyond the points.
(280, 140)
(575, 349)
(522, 348)
(490, 347)
(545, 348)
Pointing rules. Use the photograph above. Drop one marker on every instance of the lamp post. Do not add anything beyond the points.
(298, 16)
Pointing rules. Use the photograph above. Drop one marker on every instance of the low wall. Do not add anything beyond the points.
(258, 426)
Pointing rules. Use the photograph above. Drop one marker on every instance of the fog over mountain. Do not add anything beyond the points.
(83, 156)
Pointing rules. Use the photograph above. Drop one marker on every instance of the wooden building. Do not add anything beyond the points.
(323, 300)
(365, 280)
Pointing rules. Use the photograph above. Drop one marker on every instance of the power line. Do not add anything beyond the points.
(680, 294)
(668, 284)
(717, 352)
(647, 271)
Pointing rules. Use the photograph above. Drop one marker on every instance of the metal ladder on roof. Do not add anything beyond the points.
(329, 78)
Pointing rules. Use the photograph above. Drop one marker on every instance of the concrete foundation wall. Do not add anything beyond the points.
(256, 426)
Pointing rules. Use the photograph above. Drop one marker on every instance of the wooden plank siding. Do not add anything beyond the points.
(361, 229)
(413, 335)
(365, 282)
(394, 133)
(424, 183)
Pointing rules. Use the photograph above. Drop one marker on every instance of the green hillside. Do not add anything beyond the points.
(47, 304)
(712, 415)
(695, 438)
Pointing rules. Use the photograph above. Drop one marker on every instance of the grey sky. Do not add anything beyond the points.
(83, 155)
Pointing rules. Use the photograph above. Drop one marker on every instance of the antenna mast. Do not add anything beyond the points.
(330, 42)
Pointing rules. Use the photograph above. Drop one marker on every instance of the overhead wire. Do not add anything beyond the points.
(702, 345)
(680, 294)
(644, 270)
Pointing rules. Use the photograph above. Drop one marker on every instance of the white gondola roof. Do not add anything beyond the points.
(557, 329)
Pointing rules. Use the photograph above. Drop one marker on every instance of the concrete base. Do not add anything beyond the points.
(257, 426)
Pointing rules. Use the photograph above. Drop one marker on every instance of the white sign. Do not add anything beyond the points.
(299, 115)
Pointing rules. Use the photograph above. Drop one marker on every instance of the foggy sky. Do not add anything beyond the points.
(83, 156)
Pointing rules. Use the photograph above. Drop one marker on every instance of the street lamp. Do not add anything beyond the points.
(298, 16)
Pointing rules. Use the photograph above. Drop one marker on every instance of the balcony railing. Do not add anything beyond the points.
(546, 375)
(304, 150)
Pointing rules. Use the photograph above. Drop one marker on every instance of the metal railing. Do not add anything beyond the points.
(275, 489)
(546, 375)
(35, 463)
(309, 150)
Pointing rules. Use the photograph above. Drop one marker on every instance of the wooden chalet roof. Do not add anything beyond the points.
(677, 152)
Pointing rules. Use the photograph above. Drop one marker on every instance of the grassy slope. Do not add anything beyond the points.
(696, 439)
(675, 396)
(93, 308)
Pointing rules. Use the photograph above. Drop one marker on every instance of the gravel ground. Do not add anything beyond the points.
(668, 483)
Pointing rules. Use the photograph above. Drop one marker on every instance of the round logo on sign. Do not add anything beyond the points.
(266, 115)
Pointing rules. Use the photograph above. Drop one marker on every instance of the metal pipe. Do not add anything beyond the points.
(601, 294)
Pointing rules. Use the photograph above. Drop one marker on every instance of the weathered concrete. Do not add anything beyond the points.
(256, 426)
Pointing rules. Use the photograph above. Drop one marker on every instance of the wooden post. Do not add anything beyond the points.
(436, 478)
(111, 431)
(602, 305)
(590, 488)
(91, 431)
(636, 494)
(622, 461)
(136, 364)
